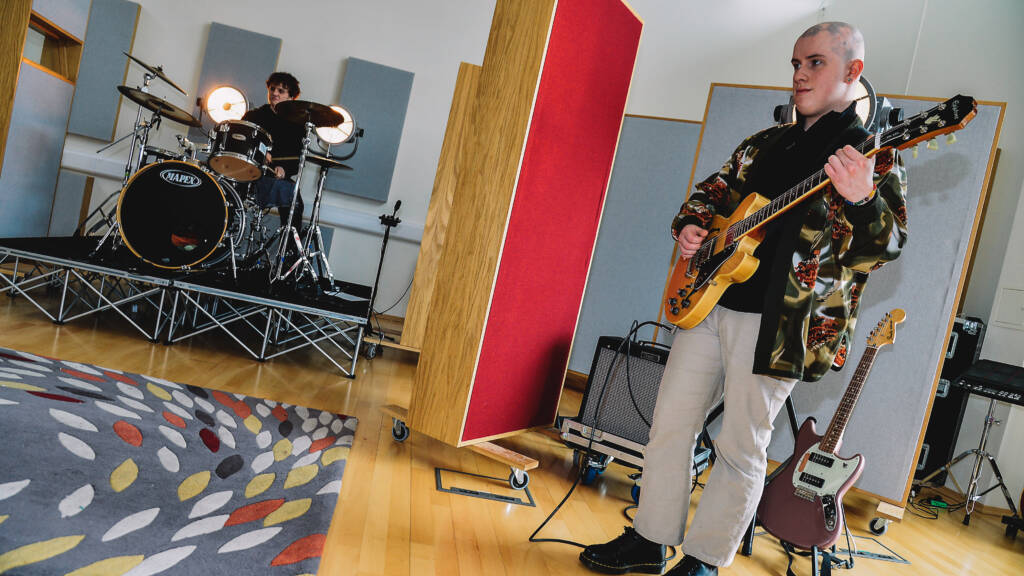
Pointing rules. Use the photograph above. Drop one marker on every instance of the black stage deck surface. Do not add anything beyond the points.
(346, 298)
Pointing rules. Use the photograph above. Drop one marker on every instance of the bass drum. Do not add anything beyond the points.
(177, 216)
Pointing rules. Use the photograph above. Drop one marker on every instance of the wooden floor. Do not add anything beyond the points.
(392, 520)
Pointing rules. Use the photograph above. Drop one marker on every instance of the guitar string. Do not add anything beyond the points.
(895, 133)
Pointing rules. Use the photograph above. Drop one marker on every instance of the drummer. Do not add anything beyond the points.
(278, 189)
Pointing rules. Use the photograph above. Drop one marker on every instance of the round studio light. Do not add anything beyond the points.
(340, 133)
(226, 103)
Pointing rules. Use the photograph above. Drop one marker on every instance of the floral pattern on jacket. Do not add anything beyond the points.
(836, 248)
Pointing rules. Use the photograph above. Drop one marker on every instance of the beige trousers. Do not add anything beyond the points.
(709, 361)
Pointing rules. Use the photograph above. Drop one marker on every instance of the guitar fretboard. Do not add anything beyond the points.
(842, 416)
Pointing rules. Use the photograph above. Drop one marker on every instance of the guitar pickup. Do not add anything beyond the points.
(822, 460)
(812, 480)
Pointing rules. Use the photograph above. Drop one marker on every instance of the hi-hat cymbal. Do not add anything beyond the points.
(318, 159)
(302, 111)
(158, 104)
(157, 71)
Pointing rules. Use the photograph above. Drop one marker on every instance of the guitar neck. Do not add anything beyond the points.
(791, 197)
(841, 418)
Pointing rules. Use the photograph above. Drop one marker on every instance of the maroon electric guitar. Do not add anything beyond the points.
(802, 505)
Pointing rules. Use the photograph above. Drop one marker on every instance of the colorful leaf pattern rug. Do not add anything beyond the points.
(105, 473)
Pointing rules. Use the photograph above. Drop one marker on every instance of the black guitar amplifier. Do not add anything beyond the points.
(950, 401)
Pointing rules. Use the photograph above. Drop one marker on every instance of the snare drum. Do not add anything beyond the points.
(239, 150)
(175, 215)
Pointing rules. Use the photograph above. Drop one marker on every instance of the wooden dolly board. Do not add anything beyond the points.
(520, 465)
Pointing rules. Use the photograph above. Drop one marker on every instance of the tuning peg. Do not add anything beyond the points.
(932, 144)
(914, 151)
(951, 138)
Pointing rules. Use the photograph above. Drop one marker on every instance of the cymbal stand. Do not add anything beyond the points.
(141, 140)
(288, 232)
(140, 137)
(316, 252)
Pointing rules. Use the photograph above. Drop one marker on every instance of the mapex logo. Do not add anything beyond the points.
(179, 178)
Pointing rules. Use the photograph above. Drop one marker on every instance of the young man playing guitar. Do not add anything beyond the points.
(790, 321)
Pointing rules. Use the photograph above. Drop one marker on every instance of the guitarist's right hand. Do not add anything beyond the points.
(689, 240)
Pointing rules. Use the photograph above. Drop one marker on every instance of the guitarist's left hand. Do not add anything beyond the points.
(851, 173)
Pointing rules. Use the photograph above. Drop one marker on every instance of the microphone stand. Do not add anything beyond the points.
(389, 222)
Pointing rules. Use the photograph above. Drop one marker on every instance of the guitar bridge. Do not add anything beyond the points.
(804, 493)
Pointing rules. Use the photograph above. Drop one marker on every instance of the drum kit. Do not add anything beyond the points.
(195, 209)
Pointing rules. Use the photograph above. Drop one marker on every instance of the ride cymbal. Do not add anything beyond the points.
(158, 104)
(302, 111)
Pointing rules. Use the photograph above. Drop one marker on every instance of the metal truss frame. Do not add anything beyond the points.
(86, 289)
(264, 327)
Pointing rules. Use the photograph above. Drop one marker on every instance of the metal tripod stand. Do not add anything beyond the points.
(980, 456)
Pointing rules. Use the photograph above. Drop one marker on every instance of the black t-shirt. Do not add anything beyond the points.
(797, 155)
(287, 136)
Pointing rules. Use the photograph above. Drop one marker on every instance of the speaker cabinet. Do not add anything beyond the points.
(613, 386)
(950, 401)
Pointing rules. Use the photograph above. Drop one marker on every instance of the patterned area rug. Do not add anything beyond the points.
(109, 473)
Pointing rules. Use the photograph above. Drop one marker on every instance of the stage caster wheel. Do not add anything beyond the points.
(370, 351)
(518, 479)
(878, 526)
(634, 492)
(399, 431)
(1011, 532)
(589, 475)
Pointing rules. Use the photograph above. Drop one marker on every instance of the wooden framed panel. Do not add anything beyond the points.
(439, 210)
(527, 206)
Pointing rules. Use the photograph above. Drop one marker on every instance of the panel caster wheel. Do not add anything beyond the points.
(399, 431)
(518, 479)
(878, 526)
(589, 475)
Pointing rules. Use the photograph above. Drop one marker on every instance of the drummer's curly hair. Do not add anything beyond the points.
(285, 79)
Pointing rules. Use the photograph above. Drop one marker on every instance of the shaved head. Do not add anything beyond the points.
(847, 42)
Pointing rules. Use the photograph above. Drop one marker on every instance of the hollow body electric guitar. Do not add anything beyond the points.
(802, 505)
(725, 257)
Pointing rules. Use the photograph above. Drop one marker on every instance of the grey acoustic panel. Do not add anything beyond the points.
(944, 191)
(633, 252)
(71, 15)
(67, 203)
(239, 58)
(377, 96)
(102, 68)
(35, 142)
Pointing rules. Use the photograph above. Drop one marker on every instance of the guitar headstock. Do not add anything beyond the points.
(950, 116)
(885, 332)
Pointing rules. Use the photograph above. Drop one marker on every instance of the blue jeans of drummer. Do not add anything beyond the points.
(277, 192)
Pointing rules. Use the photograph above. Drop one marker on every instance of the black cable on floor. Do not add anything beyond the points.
(585, 458)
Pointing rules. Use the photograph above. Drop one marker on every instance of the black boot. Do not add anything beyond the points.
(630, 552)
(690, 566)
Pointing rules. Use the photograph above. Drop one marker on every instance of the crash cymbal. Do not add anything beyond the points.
(318, 159)
(157, 71)
(302, 111)
(158, 104)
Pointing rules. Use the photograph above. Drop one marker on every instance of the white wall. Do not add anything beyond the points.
(914, 47)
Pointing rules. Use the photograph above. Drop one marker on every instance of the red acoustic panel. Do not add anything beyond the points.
(554, 218)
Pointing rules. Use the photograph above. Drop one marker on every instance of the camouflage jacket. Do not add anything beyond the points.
(811, 301)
